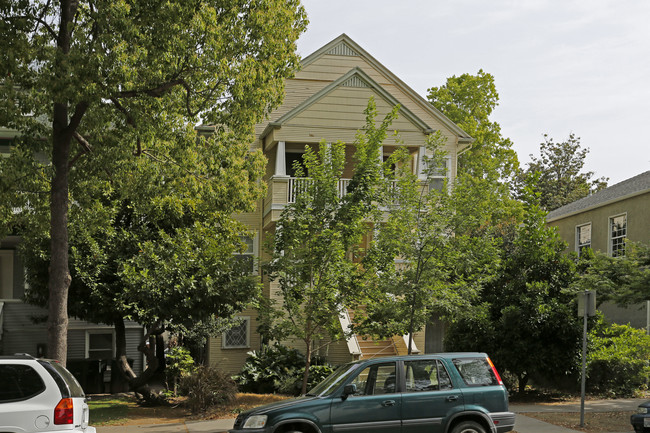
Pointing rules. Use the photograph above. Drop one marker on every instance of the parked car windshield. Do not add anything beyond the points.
(333, 381)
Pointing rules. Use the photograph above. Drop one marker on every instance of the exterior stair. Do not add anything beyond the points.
(376, 348)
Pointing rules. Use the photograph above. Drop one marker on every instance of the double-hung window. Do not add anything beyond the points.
(100, 344)
(617, 235)
(247, 257)
(583, 238)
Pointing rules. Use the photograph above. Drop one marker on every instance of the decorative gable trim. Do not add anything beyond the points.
(342, 49)
(355, 81)
(464, 140)
(353, 78)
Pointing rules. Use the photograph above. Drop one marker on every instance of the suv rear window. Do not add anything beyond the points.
(66, 382)
(19, 382)
(476, 371)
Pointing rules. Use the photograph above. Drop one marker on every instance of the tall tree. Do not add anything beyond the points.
(527, 308)
(315, 248)
(417, 263)
(154, 241)
(73, 70)
(482, 186)
(469, 100)
(560, 179)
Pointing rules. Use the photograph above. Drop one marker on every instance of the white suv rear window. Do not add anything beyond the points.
(19, 382)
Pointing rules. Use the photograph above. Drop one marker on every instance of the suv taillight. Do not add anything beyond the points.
(64, 412)
(494, 370)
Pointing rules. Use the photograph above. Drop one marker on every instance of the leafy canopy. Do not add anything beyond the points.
(560, 180)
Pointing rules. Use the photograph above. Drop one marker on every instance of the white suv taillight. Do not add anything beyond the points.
(64, 412)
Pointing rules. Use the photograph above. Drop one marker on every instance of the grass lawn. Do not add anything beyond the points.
(125, 410)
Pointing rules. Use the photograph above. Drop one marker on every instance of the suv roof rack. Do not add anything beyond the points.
(17, 356)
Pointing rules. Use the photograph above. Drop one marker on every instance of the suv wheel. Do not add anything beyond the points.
(468, 427)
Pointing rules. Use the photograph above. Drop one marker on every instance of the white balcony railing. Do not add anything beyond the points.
(299, 185)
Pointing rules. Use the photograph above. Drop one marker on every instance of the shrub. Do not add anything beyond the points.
(279, 369)
(617, 363)
(179, 363)
(206, 387)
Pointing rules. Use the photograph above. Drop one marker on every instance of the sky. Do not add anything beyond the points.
(560, 66)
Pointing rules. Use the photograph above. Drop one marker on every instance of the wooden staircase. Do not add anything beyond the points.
(376, 348)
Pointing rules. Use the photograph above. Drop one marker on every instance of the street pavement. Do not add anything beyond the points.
(523, 423)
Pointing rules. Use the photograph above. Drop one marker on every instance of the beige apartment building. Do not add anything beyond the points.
(325, 101)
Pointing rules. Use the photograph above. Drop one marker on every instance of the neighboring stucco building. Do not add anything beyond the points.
(604, 221)
(326, 101)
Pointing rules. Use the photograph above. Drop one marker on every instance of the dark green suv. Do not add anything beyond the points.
(445, 392)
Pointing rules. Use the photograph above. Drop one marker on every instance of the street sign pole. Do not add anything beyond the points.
(586, 308)
(583, 385)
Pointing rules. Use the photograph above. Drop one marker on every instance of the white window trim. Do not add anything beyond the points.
(99, 331)
(577, 236)
(247, 320)
(610, 239)
(255, 236)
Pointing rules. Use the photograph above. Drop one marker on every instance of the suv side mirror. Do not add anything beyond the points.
(349, 390)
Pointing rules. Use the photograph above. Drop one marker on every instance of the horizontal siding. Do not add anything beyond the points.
(133, 339)
(231, 360)
(21, 335)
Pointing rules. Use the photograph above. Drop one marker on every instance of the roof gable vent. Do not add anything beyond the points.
(342, 49)
(355, 81)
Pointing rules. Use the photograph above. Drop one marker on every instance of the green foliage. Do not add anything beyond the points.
(560, 180)
(317, 239)
(482, 198)
(617, 360)
(109, 93)
(179, 363)
(279, 369)
(527, 308)
(624, 279)
(469, 100)
(206, 387)
(417, 264)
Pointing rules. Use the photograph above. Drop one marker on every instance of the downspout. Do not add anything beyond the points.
(2, 304)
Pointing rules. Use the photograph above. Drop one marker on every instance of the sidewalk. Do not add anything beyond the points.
(523, 423)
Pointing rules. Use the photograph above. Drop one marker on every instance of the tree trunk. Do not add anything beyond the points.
(59, 274)
(523, 381)
(59, 277)
(139, 384)
(305, 375)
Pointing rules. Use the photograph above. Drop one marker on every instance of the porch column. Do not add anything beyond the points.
(280, 160)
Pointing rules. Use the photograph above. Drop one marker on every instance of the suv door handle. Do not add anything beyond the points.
(386, 403)
(452, 398)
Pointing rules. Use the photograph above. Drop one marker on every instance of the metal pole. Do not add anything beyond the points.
(584, 361)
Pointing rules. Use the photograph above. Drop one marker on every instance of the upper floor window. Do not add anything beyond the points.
(247, 256)
(583, 238)
(439, 174)
(618, 232)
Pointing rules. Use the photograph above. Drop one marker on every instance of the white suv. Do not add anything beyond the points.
(38, 395)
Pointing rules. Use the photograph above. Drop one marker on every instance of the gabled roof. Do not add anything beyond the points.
(356, 77)
(344, 45)
(628, 188)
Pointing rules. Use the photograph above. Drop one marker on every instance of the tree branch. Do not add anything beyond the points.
(155, 92)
